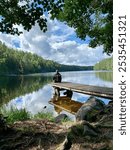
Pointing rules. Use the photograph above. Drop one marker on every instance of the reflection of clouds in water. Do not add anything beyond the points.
(34, 102)
(80, 97)
(83, 98)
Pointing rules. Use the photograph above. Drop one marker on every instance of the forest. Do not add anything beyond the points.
(14, 62)
(105, 64)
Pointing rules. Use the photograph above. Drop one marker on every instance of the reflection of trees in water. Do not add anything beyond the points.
(106, 76)
(11, 87)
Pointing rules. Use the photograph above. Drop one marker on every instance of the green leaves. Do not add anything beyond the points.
(92, 18)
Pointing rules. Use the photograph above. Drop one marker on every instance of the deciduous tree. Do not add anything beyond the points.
(93, 18)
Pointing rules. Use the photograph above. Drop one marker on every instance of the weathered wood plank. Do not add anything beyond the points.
(104, 92)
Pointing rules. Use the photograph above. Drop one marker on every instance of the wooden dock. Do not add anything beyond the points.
(104, 92)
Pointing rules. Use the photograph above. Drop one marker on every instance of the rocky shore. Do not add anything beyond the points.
(93, 130)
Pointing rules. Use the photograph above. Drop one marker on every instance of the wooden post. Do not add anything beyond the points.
(56, 91)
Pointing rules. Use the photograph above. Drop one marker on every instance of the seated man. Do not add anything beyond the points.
(57, 77)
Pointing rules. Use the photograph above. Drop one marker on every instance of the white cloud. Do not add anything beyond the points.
(58, 44)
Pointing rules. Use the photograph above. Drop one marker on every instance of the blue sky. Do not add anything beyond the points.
(59, 43)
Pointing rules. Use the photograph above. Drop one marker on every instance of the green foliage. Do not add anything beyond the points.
(44, 115)
(93, 18)
(26, 14)
(14, 114)
(90, 18)
(105, 64)
(19, 62)
(65, 120)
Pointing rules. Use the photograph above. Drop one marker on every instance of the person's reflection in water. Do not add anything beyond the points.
(68, 93)
(55, 98)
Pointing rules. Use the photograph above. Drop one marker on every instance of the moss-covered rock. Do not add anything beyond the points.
(89, 109)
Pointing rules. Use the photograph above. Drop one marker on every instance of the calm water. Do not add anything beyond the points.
(33, 92)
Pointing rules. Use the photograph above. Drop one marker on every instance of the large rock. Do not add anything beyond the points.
(90, 109)
(60, 118)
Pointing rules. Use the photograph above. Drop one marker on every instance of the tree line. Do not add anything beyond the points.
(105, 64)
(20, 62)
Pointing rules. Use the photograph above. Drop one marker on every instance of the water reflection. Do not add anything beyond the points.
(88, 77)
(34, 102)
(106, 76)
(65, 103)
(15, 86)
(34, 92)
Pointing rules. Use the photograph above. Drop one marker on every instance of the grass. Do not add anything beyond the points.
(14, 114)
(44, 115)
(66, 120)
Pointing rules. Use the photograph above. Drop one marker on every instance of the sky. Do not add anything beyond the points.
(59, 43)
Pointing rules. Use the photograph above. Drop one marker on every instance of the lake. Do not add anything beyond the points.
(33, 92)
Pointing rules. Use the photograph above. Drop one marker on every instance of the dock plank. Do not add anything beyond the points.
(104, 92)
